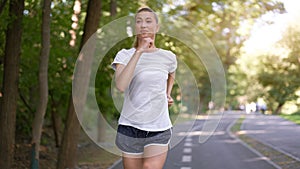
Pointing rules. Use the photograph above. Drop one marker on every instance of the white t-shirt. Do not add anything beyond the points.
(145, 100)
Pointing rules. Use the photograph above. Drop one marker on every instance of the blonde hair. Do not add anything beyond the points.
(144, 9)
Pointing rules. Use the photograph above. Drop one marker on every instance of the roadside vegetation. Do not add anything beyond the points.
(295, 117)
(279, 158)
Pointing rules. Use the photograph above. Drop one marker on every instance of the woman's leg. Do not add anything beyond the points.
(155, 156)
(132, 161)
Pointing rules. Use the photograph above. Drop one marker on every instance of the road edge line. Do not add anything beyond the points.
(115, 164)
(276, 148)
(268, 160)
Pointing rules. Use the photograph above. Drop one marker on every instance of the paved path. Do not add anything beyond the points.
(274, 131)
(221, 151)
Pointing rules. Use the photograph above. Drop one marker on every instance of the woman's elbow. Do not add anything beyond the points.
(120, 84)
(120, 88)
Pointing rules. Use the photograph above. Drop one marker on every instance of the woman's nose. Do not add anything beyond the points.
(143, 25)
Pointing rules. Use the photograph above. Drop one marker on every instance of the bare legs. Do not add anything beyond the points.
(154, 157)
(132, 162)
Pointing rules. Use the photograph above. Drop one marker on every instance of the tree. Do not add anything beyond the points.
(43, 84)
(113, 8)
(279, 74)
(270, 72)
(67, 154)
(10, 84)
(223, 23)
(61, 61)
(2, 5)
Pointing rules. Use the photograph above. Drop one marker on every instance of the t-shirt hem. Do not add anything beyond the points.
(146, 128)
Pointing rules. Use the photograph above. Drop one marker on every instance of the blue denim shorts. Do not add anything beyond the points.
(131, 140)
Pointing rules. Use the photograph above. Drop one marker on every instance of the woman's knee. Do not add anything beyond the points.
(152, 165)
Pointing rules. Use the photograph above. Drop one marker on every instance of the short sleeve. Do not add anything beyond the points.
(173, 64)
(121, 58)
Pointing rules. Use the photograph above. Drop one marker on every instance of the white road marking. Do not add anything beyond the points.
(185, 168)
(188, 144)
(186, 158)
(188, 139)
(187, 150)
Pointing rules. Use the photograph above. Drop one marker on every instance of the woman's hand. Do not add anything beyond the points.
(146, 45)
(170, 100)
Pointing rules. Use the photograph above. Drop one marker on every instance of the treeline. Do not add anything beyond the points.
(41, 41)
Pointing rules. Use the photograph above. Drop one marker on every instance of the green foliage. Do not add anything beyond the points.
(28, 78)
(61, 61)
(273, 75)
(280, 74)
(295, 117)
(227, 24)
(221, 21)
(104, 81)
(4, 20)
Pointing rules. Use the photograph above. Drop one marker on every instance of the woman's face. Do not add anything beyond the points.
(146, 25)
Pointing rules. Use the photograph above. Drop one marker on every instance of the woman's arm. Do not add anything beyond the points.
(170, 83)
(124, 74)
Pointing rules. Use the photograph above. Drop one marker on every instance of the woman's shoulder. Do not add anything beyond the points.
(127, 51)
(167, 52)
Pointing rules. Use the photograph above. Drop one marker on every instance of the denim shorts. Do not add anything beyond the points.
(131, 140)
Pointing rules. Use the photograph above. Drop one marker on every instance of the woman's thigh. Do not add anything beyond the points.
(132, 162)
(155, 156)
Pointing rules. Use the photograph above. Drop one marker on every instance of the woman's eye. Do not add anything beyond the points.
(149, 21)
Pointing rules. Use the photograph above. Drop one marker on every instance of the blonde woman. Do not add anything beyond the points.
(146, 75)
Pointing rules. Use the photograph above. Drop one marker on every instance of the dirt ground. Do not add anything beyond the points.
(90, 156)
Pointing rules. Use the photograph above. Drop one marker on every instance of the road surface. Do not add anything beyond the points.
(220, 151)
(274, 131)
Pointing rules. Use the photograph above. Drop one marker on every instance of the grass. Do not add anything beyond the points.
(237, 126)
(293, 117)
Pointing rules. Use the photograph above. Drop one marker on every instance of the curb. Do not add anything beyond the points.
(248, 147)
(279, 150)
(115, 164)
(275, 148)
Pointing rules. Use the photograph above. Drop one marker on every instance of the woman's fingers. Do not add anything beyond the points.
(170, 101)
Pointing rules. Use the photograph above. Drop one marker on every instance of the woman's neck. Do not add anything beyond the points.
(140, 42)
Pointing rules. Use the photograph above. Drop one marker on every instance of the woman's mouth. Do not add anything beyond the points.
(143, 31)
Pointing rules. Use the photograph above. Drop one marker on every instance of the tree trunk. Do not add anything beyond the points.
(56, 121)
(113, 8)
(101, 134)
(10, 84)
(278, 109)
(68, 151)
(43, 84)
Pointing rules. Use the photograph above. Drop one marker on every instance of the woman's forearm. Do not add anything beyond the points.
(124, 74)
(170, 83)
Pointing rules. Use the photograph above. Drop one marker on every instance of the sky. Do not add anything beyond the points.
(264, 36)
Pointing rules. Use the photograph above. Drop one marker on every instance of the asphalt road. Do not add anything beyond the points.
(274, 131)
(220, 151)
